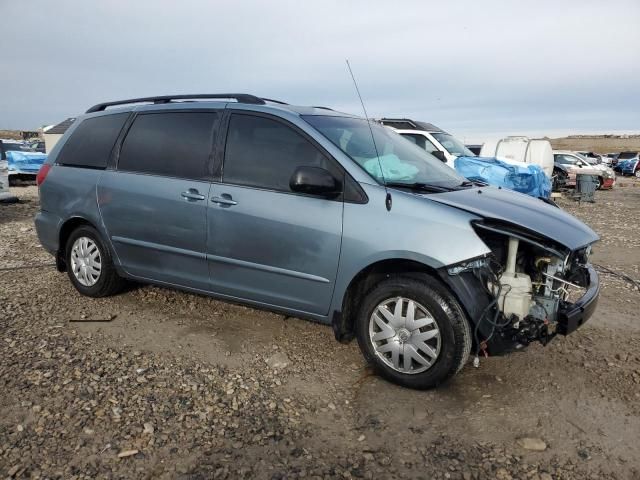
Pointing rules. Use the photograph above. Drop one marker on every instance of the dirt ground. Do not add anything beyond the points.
(597, 143)
(173, 385)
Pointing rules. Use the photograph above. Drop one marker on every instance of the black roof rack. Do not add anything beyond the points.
(239, 97)
(274, 101)
(408, 124)
(405, 122)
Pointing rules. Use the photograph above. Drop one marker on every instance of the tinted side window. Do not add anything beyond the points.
(173, 144)
(91, 142)
(264, 153)
(421, 141)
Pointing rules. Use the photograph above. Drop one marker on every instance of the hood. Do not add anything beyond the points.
(521, 210)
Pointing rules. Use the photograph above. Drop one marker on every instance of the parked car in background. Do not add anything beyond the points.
(628, 164)
(11, 146)
(318, 214)
(4, 181)
(7, 146)
(520, 177)
(612, 158)
(427, 136)
(476, 148)
(24, 165)
(38, 146)
(521, 149)
(567, 165)
(594, 158)
(22, 162)
(607, 158)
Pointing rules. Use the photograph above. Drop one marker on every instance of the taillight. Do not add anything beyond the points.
(42, 173)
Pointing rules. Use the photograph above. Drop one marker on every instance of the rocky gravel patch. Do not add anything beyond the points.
(172, 385)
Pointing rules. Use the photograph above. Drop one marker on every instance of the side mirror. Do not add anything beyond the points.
(315, 181)
(439, 155)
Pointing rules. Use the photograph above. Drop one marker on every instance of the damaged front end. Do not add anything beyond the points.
(530, 288)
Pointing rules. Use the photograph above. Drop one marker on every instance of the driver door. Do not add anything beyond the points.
(265, 243)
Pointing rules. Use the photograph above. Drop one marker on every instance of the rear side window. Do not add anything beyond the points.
(420, 140)
(264, 153)
(172, 144)
(91, 143)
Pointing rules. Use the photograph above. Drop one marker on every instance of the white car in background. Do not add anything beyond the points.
(569, 164)
(427, 136)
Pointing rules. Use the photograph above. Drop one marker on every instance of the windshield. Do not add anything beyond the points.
(626, 155)
(452, 145)
(583, 158)
(402, 161)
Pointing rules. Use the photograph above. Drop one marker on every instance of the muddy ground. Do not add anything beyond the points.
(175, 385)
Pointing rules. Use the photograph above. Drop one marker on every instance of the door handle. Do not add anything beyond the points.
(224, 200)
(192, 194)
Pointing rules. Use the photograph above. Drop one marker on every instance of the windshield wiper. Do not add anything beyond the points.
(423, 187)
(473, 183)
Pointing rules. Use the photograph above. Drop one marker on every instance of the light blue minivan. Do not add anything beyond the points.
(316, 214)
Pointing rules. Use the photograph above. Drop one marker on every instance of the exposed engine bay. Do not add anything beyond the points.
(531, 283)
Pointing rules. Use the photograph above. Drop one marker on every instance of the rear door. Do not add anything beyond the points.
(154, 204)
(265, 243)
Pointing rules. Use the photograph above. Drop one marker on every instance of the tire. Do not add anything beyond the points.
(436, 308)
(600, 182)
(107, 282)
(559, 179)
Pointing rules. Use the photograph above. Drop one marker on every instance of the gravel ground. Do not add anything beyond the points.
(155, 383)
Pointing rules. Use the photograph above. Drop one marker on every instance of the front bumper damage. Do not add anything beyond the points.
(475, 300)
(572, 316)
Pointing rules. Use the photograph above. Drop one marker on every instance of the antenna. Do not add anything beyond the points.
(373, 139)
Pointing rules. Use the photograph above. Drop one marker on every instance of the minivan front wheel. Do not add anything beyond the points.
(413, 331)
(89, 264)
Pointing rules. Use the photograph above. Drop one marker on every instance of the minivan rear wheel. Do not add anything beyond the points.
(90, 265)
(413, 331)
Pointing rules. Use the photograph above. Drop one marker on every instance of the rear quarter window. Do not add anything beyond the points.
(91, 142)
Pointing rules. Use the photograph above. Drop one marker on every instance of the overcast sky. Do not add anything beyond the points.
(476, 68)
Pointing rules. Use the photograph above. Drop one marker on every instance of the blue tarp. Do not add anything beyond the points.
(25, 162)
(627, 167)
(529, 179)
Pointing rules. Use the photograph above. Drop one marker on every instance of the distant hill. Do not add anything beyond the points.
(597, 143)
(11, 134)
